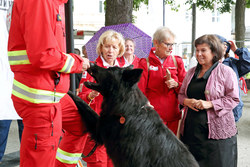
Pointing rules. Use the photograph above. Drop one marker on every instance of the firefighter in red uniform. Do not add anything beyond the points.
(36, 51)
(109, 47)
(160, 90)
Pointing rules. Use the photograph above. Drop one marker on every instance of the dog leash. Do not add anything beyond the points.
(91, 152)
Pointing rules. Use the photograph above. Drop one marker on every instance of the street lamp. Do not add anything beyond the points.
(163, 12)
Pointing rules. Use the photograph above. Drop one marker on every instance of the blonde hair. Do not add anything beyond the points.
(163, 33)
(110, 35)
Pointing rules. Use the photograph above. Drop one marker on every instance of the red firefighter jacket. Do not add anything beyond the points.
(152, 84)
(36, 51)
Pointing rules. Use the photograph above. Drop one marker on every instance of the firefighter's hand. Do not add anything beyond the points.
(85, 64)
(171, 83)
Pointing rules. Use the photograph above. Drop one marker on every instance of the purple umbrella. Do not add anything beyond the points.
(128, 30)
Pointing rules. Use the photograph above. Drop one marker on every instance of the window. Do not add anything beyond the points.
(215, 15)
(101, 6)
(188, 16)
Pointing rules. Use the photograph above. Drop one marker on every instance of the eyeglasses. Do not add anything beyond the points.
(169, 44)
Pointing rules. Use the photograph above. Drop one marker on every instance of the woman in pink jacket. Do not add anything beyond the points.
(210, 92)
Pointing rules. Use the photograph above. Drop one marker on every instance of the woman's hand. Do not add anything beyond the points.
(202, 104)
(197, 105)
(171, 83)
(190, 103)
(93, 94)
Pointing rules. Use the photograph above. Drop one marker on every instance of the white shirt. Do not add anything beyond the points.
(7, 110)
(105, 64)
(126, 61)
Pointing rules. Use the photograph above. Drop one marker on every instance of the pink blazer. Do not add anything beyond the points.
(222, 90)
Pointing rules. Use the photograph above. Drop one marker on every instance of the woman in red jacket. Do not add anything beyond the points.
(110, 45)
(129, 57)
(162, 89)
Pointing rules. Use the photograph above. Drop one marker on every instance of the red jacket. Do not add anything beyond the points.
(152, 84)
(36, 51)
(121, 61)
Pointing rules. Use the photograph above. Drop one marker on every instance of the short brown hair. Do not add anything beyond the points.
(213, 43)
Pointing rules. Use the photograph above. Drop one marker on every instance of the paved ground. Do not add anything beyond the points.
(11, 158)
(244, 134)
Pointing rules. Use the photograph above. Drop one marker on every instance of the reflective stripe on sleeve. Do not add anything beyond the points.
(35, 95)
(18, 57)
(66, 157)
(68, 64)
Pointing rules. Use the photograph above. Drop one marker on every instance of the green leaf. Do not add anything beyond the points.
(247, 3)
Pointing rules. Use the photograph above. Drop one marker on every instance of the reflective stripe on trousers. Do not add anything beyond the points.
(66, 157)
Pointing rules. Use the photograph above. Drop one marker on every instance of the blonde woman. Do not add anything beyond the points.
(109, 47)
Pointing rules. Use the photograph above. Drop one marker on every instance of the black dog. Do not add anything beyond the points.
(131, 130)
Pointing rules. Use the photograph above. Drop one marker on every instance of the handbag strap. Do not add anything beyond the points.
(175, 62)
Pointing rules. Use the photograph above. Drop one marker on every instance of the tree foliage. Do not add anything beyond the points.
(247, 3)
(137, 4)
(222, 5)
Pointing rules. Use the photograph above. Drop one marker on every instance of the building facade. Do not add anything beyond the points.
(89, 16)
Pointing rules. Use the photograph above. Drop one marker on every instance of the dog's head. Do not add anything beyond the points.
(111, 80)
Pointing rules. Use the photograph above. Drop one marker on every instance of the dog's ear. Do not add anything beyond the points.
(132, 76)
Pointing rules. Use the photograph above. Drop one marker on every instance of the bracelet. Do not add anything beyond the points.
(177, 84)
(90, 97)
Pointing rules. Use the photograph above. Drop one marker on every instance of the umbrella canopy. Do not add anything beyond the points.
(128, 30)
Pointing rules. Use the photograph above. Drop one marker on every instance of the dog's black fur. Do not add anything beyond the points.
(143, 140)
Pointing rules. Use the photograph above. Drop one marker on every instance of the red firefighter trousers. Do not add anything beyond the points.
(43, 125)
(99, 158)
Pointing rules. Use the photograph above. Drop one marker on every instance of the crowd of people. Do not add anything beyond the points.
(53, 133)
